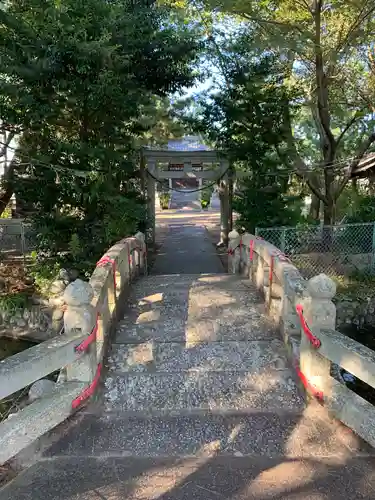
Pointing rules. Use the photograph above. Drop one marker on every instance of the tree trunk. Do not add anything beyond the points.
(7, 186)
(328, 221)
(315, 207)
(230, 203)
(224, 219)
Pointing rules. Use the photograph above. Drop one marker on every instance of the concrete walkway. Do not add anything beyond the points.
(187, 249)
(198, 402)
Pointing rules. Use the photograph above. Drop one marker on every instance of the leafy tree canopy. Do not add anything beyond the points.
(82, 84)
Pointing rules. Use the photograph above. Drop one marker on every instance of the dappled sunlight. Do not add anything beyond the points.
(279, 480)
(314, 435)
(151, 299)
(148, 317)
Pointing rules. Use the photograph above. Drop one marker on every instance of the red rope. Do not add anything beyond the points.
(251, 249)
(89, 391)
(313, 340)
(280, 255)
(132, 250)
(82, 347)
(310, 387)
(271, 271)
(106, 259)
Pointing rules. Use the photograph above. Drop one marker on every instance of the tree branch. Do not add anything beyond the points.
(5, 144)
(302, 170)
(329, 146)
(358, 157)
(346, 128)
(362, 16)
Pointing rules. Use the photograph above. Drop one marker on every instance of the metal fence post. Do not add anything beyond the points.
(373, 248)
(256, 231)
(23, 243)
(282, 240)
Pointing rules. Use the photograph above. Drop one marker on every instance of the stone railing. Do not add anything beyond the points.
(306, 317)
(91, 311)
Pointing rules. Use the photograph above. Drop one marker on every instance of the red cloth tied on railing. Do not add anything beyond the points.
(271, 271)
(315, 342)
(318, 394)
(82, 347)
(232, 250)
(106, 259)
(89, 391)
(280, 255)
(251, 255)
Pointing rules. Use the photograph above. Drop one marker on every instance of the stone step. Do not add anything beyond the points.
(206, 325)
(165, 281)
(196, 392)
(222, 477)
(196, 297)
(263, 434)
(168, 311)
(172, 357)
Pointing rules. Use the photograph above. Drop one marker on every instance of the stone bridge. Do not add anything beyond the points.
(191, 383)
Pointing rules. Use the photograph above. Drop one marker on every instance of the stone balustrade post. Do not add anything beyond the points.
(293, 292)
(235, 257)
(142, 254)
(253, 261)
(260, 270)
(80, 315)
(320, 313)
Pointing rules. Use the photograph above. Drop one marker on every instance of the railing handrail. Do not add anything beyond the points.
(89, 314)
(22, 369)
(306, 315)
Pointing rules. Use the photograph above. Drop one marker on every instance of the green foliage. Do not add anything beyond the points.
(12, 302)
(84, 82)
(164, 200)
(328, 54)
(262, 207)
(43, 272)
(206, 194)
(244, 120)
(7, 212)
(364, 209)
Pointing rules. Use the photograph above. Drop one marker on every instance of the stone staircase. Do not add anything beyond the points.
(195, 367)
(198, 402)
(188, 199)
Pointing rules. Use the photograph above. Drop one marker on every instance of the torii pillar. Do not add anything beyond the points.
(224, 205)
(150, 233)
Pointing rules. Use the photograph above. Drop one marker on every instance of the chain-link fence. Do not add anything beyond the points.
(15, 238)
(335, 250)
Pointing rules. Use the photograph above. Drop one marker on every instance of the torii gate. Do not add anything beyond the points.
(187, 151)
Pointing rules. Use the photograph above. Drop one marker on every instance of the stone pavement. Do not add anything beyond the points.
(187, 250)
(198, 402)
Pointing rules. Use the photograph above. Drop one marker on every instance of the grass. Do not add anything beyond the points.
(358, 286)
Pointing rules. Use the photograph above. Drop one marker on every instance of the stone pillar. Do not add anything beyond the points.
(230, 197)
(80, 315)
(142, 256)
(320, 313)
(234, 260)
(224, 215)
(187, 166)
(151, 167)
